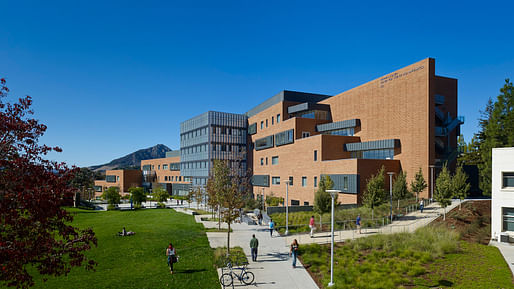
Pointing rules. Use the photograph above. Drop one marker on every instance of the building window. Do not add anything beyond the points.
(262, 124)
(278, 118)
(290, 181)
(306, 134)
(118, 178)
(508, 219)
(164, 167)
(266, 160)
(262, 161)
(315, 182)
(345, 183)
(295, 202)
(266, 122)
(272, 120)
(153, 167)
(508, 180)
(305, 203)
(304, 181)
(275, 180)
(315, 155)
(274, 160)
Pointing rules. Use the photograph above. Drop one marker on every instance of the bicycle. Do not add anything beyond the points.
(245, 276)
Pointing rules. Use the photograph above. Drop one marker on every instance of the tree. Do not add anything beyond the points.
(112, 195)
(460, 185)
(161, 195)
(375, 192)
(37, 232)
(418, 184)
(83, 180)
(400, 190)
(443, 189)
(498, 132)
(231, 186)
(138, 195)
(322, 199)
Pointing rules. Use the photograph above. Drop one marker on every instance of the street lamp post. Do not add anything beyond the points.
(333, 194)
(431, 182)
(391, 192)
(287, 207)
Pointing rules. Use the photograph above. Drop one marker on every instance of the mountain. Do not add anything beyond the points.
(133, 160)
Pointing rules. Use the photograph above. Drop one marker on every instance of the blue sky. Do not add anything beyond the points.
(111, 77)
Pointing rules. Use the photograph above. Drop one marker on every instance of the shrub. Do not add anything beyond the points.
(111, 207)
(237, 256)
(161, 205)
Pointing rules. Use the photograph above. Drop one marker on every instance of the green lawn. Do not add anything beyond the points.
(430, 257)
(475, 266)
(139, 261)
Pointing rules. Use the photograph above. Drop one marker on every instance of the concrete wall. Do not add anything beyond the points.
(503, 161)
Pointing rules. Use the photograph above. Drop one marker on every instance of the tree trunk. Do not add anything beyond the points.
(320, 226)
(444, 214)
(460, 204)
(372, 209)
(398, 204)
(417, 196)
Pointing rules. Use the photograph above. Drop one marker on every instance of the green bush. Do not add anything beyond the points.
(111, 207)
(381, 261)
(161, 205)
(237, 256)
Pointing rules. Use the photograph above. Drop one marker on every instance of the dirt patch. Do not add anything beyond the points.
(473, 221)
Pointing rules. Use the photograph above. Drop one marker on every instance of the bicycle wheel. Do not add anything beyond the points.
(226, 279)
(247, 277)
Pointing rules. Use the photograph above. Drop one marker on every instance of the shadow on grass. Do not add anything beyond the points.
(189, 271)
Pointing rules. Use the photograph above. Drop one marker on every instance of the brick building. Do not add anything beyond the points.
(405, 120)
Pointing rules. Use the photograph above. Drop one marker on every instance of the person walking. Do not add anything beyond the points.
(254, 244)
(358, 223)
(170, 252)
(312, 226)
(422, 204)
(293, 252)
(259, 218)
(271, 227)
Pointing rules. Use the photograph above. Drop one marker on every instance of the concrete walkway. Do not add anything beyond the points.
(408, 223)
(273, 268)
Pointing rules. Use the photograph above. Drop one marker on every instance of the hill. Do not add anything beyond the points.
(133, 160)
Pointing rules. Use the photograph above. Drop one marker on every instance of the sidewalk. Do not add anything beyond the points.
(408, 223)
(273, 268)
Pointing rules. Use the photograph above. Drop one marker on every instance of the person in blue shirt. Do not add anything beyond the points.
(271, 227)
(358, 223)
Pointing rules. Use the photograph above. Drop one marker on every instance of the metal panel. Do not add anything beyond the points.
(260, 180)
(372, 145)
(172, 154)
(180, 189)
(298, 107)
(339, 125)
(295, 96)
(252, 129)
(339, 183)
(285, 137)
(264, 143)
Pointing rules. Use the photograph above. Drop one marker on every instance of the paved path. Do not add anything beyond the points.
(273, 268)
(408, 223)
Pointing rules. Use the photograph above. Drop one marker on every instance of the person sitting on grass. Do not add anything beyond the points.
(124, 233)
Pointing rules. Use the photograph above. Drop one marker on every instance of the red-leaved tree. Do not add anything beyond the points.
(35, 231)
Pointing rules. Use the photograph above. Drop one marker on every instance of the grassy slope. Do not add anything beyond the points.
(430, 257)
(476, 266)
(139, 261)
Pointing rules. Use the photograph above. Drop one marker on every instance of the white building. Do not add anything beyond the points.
(502, 189)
